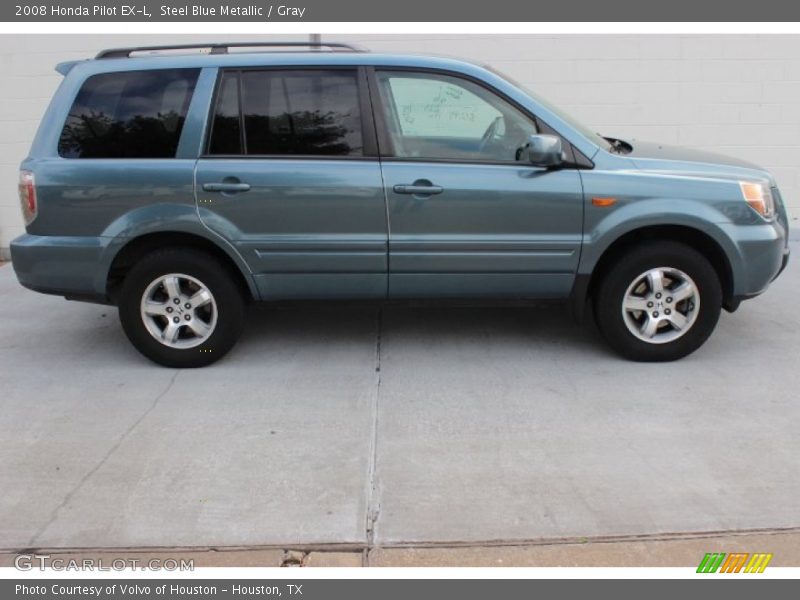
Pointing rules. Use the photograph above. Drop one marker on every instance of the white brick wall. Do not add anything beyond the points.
(739, 95)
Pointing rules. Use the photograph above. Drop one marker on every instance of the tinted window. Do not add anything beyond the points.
(443, 117)
(135, 114)
(308, 112)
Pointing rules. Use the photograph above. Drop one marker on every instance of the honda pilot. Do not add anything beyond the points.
(180, 183)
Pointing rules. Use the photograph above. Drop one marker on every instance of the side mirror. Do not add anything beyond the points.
(543, 150)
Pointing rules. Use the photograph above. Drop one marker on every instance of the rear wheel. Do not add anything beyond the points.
(660, 301)
(181, 308)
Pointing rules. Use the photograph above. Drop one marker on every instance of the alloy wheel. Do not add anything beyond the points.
(179, 311)
(661, 305)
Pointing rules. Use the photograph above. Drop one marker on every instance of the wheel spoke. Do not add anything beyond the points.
(198, 327)
(649, 327)
(683, 291)
(635, 303)
(655, 280)
(200, 298)
(172, 286)
(678, 320)
(170, 333)
(155, 309)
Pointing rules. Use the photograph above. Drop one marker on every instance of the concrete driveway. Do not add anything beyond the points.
(362, 426)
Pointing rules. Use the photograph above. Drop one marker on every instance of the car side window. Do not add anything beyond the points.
(133, 114)
(442, 117)
(287, 112)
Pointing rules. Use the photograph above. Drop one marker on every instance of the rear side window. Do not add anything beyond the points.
(133, 114)
(281, 112)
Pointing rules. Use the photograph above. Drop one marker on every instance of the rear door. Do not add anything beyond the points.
(290, 176)
(466, 218)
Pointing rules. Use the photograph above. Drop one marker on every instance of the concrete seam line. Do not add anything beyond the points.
(372, 504)
(319, 547)
(357, 547)
(68, 497)
(608, 539)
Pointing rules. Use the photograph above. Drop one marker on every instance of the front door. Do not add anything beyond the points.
(466, 218)
(291, 177)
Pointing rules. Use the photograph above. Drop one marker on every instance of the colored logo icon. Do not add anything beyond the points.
(737, 562)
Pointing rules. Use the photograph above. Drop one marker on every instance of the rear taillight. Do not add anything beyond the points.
(27, 196)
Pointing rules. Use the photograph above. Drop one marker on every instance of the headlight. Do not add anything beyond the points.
(759, 197)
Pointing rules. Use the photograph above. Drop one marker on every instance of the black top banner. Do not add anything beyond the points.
(407, 10)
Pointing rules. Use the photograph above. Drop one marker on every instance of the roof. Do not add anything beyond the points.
(110, 62)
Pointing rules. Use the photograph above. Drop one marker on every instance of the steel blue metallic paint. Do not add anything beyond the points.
(302, 221)
(337, 228)
(494, 230)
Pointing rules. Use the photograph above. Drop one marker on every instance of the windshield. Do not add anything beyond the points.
(571, 121)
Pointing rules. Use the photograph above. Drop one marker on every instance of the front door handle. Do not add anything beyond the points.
(224, 186)
(418, 189)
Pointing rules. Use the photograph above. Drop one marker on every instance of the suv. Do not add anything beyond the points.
(180, 182)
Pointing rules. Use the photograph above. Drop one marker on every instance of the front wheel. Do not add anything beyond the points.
(181, 308)
(660, 301)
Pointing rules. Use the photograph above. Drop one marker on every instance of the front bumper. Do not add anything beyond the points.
(65, 266)
(761, 254)
(784, 262)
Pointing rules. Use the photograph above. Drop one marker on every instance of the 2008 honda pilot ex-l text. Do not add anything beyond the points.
(179, 183)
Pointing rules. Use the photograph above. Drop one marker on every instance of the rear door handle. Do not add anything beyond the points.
(418, 190)
(226, 187)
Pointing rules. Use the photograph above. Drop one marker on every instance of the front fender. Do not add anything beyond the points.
(603, 230)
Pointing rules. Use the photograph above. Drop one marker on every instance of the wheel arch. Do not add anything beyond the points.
(135, 248)
(586, 283)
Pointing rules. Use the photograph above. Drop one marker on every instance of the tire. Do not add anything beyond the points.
(645, 327)
(210, 311)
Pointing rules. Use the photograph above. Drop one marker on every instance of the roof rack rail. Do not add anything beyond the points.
(223, 48)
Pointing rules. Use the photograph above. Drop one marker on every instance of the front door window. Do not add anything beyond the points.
(440, 117)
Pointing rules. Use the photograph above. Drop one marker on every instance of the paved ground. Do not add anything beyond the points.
(655, 551)
(346, 427)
